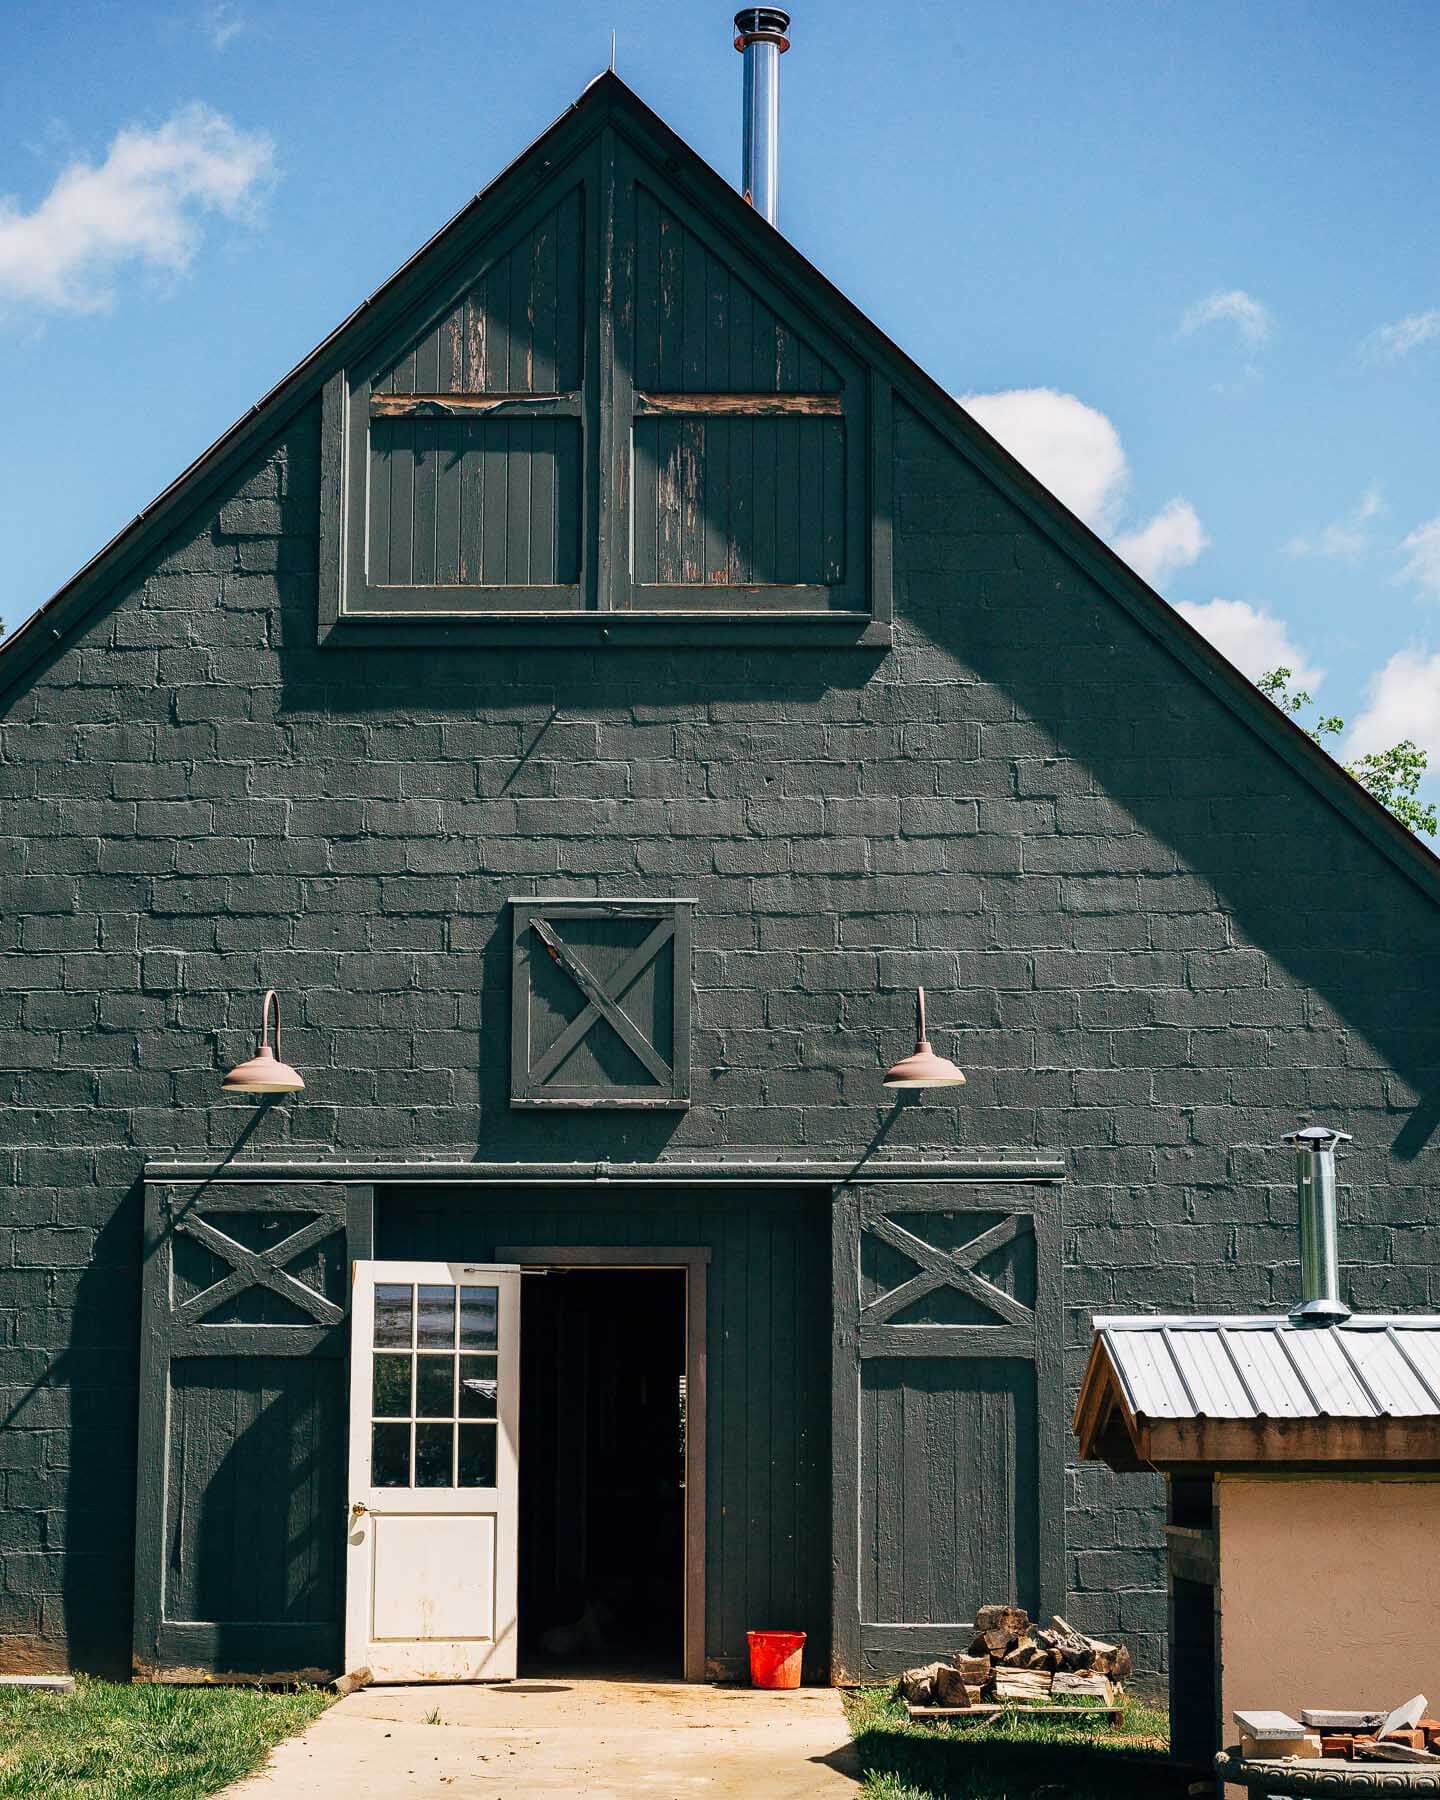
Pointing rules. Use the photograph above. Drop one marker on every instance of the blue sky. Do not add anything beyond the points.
(1184, 255)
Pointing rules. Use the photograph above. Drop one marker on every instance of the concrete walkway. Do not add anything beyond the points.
(596, 1738)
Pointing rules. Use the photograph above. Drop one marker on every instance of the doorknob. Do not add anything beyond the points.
(358, 1508)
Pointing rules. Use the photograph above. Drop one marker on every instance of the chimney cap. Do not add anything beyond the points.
(1317, 1137)
(762, 24)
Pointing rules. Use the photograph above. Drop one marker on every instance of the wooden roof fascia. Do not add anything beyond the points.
(1102, 1397)
(1378, 1444)
(605, 98)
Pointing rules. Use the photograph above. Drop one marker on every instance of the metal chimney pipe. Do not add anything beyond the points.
(761, 38)
(1320, 1302)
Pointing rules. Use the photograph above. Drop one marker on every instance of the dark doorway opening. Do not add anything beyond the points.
(602, 1472)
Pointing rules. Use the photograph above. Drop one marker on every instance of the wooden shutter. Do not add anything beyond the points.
(240, 1496)
(601, 1003)
(602, 412)
(743, 431)
(949, 1423)
(467, 439)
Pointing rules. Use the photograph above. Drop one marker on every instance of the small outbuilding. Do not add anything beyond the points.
(1302, 1464)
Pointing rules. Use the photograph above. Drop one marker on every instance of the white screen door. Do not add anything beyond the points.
(434, 1434)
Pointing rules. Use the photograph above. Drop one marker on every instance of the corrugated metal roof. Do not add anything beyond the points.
(1373, 1366)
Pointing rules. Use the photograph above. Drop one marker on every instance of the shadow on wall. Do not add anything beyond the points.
(90, 1503)
(1171, 816)
(1155, 863)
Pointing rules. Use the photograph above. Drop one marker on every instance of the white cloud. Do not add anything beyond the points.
(1172, 540)
(143, 204)
(1250, 316)
(1405, 335)
(1423, 567)
(222, 22)
(1403, 701)
(1073, 449)
(1254, 640)
(1348, 536)
(1076, 452)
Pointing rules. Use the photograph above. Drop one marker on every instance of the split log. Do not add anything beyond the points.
(1082, 1683)
(975, 1669)
(951, 1687)
(1022, 1684)
(1013, 1619)
(1066, 1636)
(918, 1685)
(1113, 1660)
(1024, 1655)
(993, 1643)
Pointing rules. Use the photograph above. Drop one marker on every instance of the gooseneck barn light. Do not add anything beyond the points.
(264, 1073)
(923, 1068)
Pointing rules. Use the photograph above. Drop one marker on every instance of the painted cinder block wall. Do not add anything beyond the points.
(1148, 941)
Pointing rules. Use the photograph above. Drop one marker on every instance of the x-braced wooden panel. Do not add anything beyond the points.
(600, 1003)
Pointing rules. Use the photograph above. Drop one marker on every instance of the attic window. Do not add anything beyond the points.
(609, 428)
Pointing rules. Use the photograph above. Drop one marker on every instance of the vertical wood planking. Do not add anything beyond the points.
(495, 480)
(570, 291)
(960, 1453)
(399, 560)
(700, 328)
(519, 327)
(449, 488)
(726, 500)
(519, 435)
(759, 1450)
(947, 1450)
(763, 477)
(832, 549)
(238, 1507)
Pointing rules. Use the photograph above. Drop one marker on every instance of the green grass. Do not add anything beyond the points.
(109, 1741)
(1014, 1759)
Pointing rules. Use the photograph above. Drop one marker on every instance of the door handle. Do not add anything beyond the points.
(358, 1509)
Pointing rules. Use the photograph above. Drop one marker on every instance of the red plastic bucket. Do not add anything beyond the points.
(775, 1658)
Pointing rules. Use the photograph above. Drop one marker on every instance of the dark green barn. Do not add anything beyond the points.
(595, 689)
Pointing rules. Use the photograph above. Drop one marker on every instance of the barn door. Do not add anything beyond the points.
(240, 1495)
(433, 1523)
(948, 1414)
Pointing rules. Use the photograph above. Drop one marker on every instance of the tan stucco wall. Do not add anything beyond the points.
(1329, 1590)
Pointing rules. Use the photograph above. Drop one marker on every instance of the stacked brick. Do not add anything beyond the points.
(1148, 942)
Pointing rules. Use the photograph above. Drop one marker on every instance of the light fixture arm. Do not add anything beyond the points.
(265, 1072)
(272, 999)
(922, 1040)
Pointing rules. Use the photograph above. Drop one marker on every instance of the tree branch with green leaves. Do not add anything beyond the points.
(1390, 776)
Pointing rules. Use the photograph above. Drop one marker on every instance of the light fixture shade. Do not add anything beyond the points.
(264, 1073)
(923, 1068)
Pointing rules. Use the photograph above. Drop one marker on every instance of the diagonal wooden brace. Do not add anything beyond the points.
(948, 1268)
(258, 1268)
(603, 1002)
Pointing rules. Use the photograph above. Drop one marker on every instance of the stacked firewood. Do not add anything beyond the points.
(1009, 1658)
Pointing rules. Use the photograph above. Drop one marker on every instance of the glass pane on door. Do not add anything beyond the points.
(436, 1372)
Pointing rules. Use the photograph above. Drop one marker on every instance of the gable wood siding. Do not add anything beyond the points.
(1146, 940)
